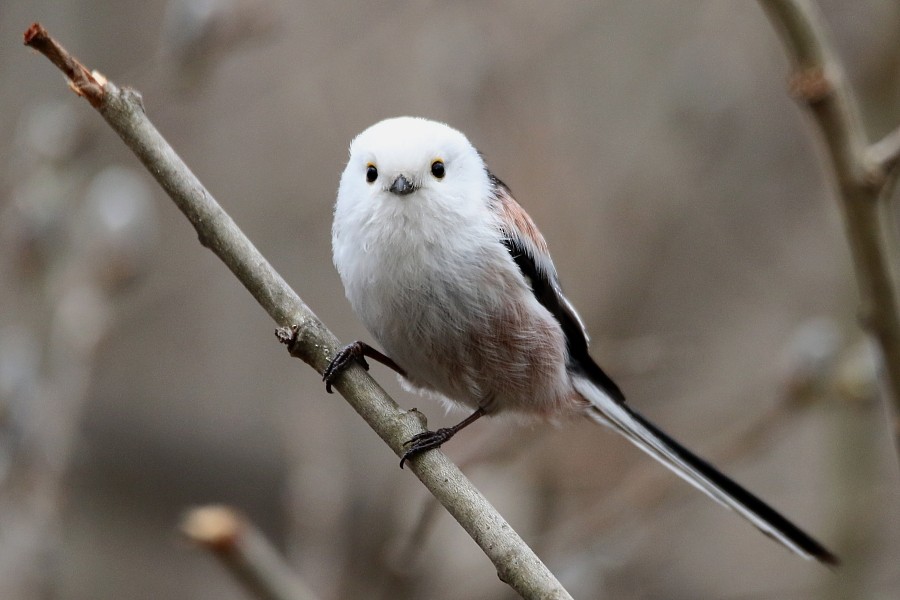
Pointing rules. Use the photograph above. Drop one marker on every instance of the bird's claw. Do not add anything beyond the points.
(341, 360)
(427, 440)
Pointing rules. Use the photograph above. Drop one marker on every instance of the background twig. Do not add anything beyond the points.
(245, 552)
(862, 171)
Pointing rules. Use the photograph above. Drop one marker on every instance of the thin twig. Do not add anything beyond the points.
(245, 552)
(863, 172)
(516, 563)
(83, 82)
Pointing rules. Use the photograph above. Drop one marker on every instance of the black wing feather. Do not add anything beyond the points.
(548, 294)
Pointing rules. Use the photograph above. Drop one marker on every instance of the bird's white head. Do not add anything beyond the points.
(413, 168)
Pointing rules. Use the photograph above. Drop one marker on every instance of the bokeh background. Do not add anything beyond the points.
(691, 220)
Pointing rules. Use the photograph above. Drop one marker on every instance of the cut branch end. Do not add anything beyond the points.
(83, 82)
(216, 527)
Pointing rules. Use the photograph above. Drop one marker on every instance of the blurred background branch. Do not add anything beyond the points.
(863, 173)
(305, 335)
(79, 245)
(245, 552)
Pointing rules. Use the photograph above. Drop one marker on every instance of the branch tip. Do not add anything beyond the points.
(87, 84)
(215, 526)
(36, 30)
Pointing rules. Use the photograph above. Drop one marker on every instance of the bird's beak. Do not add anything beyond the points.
(402, 186)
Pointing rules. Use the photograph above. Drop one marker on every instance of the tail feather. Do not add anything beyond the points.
(699, 473)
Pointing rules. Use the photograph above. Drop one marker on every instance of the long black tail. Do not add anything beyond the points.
(699, 473)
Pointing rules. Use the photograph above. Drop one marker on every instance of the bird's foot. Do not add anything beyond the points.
(353, 351)
(427, 440)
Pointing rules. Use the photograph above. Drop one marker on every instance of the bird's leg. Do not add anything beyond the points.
(357, 351)
(429, 440)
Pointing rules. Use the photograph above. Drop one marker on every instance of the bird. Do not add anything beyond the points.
(456, 284)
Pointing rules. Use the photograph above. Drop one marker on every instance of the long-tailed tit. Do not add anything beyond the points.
(455, 282)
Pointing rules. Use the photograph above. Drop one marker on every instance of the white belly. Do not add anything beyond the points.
(472, 332)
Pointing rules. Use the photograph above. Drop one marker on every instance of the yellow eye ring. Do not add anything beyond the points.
(371, 173)
(438, 169)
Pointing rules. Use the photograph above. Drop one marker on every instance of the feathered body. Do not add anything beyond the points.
(455, 282)
(431, 282)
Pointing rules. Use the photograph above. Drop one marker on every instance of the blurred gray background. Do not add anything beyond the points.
(690, 217)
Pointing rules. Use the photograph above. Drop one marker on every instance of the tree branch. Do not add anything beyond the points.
(245, 552)
(863, 172)
(516, 563)
(886, 153)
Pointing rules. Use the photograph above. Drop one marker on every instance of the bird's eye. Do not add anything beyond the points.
(437, 169)
(371, 173)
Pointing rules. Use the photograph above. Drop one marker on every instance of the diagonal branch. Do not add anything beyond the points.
(863, 173)
(516, 563)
